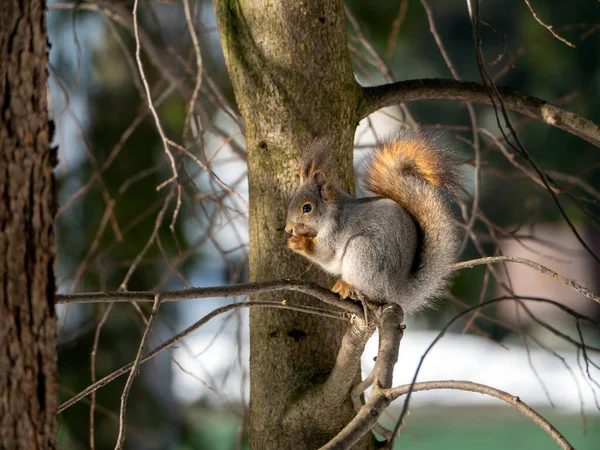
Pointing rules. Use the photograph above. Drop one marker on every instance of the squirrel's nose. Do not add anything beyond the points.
(289, 229)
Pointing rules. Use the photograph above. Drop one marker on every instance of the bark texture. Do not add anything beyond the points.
(28, 373)
(292, 77)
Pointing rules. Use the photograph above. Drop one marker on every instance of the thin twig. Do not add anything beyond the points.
(405, 406)
(194, 37)
(155, 351)
(391, 44)
(148, 94)
(157, 223)
(209, 170)
(515, 259)
(134, 369)
(378, 62)
(99, 327)
(548, 27)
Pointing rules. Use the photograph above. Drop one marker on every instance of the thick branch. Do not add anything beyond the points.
(391, 331)
(323, 400)
(377, 97)
(364, 421)
(486, 390)
(341, 380)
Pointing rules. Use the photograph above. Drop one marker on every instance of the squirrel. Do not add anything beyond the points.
(395, 247)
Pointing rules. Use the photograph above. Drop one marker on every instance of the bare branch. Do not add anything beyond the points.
(391, 44)
(404, 411)
(391, 331)
(497, 259)
(377, 61)
(155, 351)
(377, 97)
(341, 379)
(485, 390)
(325, 295)
(159, 128)
(548, 27)
(194, 37)
(133, 372)
(294, 285)
(325, 398)
(362, 423)
(99, 327)
(157, 223)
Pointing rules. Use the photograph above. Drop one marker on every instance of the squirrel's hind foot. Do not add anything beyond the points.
(344, 290)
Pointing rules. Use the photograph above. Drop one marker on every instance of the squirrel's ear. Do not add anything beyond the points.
(324, 185)
(308, 171)
(317, 157)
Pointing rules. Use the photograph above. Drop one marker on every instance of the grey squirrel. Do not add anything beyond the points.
(395, 247)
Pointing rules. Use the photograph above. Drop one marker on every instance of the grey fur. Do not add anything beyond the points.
(388, 252)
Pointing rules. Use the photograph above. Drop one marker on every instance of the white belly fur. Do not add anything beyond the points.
(334, 267)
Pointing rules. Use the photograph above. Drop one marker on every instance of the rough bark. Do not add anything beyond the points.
(28, 373)
(291, 73)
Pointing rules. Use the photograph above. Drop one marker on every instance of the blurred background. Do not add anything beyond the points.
(116, 229)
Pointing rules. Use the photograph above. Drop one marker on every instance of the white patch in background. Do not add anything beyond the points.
(455, 357)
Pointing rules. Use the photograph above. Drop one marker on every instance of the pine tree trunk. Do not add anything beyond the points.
(293, 80)
(28, 373)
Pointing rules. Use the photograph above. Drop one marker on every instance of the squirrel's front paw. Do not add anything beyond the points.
(344, 289)
(301, 244)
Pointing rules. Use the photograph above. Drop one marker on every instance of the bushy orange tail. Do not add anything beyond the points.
(418, 173)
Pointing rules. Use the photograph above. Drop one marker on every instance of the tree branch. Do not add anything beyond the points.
(485, 390)
(306, 287)
(404, 412)
(391, 331)
(515, 259)
(325, 398)
(377, 97)
(155, 351)
(341, 379)
(134, 370)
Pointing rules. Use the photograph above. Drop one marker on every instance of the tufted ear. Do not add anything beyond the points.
(317, 157)
(325, 185)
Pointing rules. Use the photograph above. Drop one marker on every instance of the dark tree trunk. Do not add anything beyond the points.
(292, 77)
(28, 374)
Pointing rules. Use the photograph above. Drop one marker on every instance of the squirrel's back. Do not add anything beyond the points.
(418, 173)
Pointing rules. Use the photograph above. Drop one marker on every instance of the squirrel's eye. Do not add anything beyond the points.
(306, 208)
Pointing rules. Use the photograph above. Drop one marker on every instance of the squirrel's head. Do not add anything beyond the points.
(312, 206)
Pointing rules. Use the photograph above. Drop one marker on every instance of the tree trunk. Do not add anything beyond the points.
(28, 374)
(292, 77)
